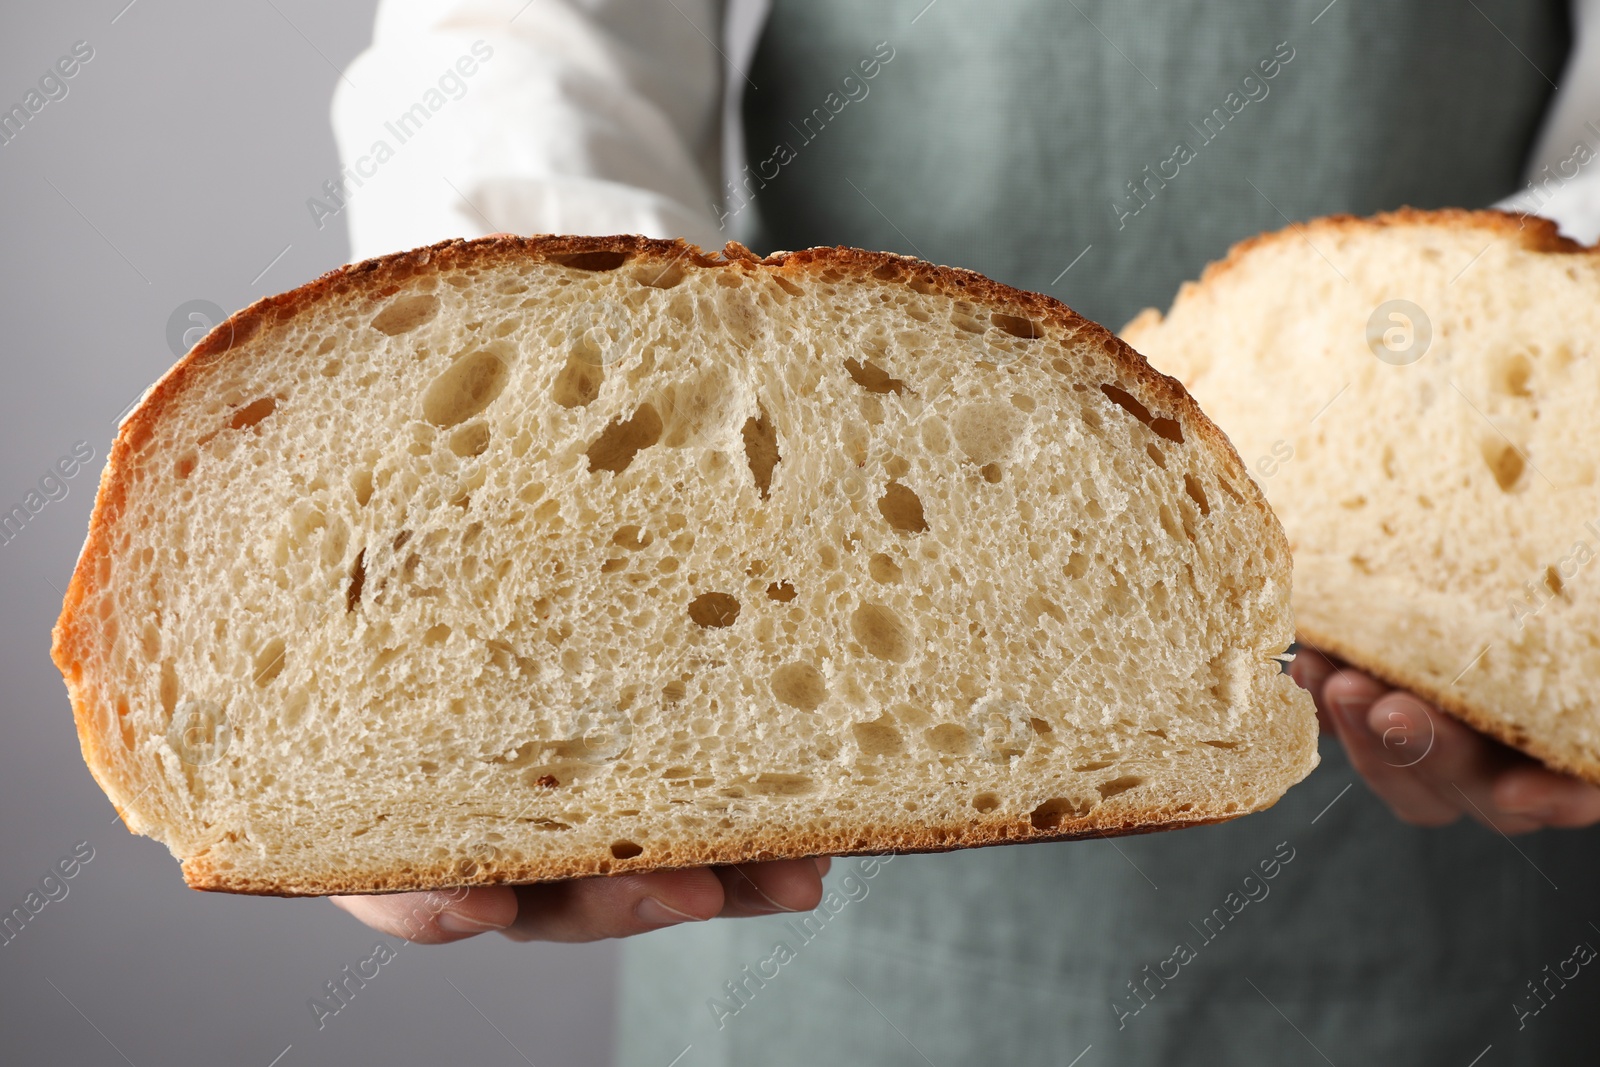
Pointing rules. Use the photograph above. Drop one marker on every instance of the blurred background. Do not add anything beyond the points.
(173, 175)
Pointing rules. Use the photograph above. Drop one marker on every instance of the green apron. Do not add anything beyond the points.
(1103, 151)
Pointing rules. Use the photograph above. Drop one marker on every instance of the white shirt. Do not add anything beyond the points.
(608, 116)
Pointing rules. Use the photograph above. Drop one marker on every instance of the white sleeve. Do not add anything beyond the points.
(1563, 174)
(532, 116)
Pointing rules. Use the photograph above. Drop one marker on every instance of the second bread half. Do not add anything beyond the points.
(1416, 394)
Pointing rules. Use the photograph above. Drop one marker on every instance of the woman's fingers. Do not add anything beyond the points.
(1543, 795)
(765, 888)
(1430, 768)
(1384, 756)
(1310, 669)
(588, 909)
(437, 917)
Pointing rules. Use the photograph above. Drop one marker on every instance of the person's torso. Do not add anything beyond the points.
(1103, 152)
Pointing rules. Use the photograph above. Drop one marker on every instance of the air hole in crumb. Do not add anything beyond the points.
(595, 261)
(470, 440)
(882, 632)
(580, 379)
(1167, 428)
(878, 738)
(799, 685)
(406, 314)
(787, 286)
(625, 850)
(252, 413)
(465, 388)
(1553, 580)
(619, 442)
(1017, 326)
(657, 276)
(185, 465)
(761, 449)
(1077, 565)
(987, 431)
(673, 691)
(361, 485)
(1511, 375)
(768, 784)
(949, 738)
(1048, 816)
(714, 609)
(883, 569)
(992, 472)
(1221, 744)
(782, 592)
(269, 662)
(1037, 605)
(632, 538)
(1155, 454)
(873, 378)
(1505, 463)
(1191, 485)
(436, 635)
(1126, 402)
(985, 802)
(902, 509)
(1118, 785)
(358, 577)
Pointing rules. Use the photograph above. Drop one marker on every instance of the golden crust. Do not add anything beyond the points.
(1537, 234)
(755, 847)
(76, 631)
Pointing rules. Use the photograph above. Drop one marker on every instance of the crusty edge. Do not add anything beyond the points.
(75, 629)
(759, 846)
(1537, 234)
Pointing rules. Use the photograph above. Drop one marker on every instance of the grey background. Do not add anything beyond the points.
(177, 168)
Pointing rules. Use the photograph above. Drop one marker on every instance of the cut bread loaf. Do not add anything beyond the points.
(520, 559)
(1415, 394)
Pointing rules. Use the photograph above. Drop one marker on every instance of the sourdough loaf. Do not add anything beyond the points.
(1415, 393)
(519, 559)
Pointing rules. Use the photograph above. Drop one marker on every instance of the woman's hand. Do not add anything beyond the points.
(1431, 768)
(589, 909)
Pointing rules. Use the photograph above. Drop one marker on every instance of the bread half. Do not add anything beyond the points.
(522, 559)
(1415, 393)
